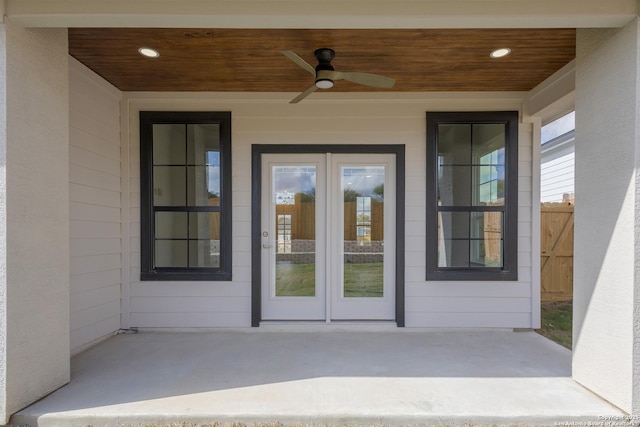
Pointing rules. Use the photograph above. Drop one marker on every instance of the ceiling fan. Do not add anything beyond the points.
(325, 74)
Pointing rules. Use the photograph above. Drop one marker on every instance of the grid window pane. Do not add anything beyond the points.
(472, 208)
(471, 168)
(203, 185)
(487, 230)
(454, 144)
(482, 232)
(204, 253)
(486, 253)
(203, 143)
(487, 138)
(169, 186)
(171, 253)
(169, 144)
(454, 225)
(453, 253)
(454, 185)
(171, 225)
(186, 222)
(204, 225)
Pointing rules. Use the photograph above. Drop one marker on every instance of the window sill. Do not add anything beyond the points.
(479, 275)
(185, 276)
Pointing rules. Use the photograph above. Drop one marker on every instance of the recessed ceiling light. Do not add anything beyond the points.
(149, 52)
(499, 53)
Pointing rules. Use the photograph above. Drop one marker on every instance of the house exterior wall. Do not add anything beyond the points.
(94, 206)
(334, 119)
(557, 171)
(34, 356)
(606, 297)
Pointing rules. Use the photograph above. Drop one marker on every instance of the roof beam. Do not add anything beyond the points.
(555, 96)
(323, 13)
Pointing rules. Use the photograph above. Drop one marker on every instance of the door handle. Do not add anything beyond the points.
(266, 246)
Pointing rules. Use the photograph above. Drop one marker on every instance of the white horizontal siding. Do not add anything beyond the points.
(201, 289)
(94, 208)
(477, 304)
(94, 280)
(100, 328)
(466, 319)
(216, 304)
(469, 304)
(80, 247)
(350, 119)
(557, 178)
(469, 290)
(87, 212)
(94, 263)
(93, 195)
(189, 319)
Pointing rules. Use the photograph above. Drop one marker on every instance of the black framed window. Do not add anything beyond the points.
(472, 196)
(185, 192)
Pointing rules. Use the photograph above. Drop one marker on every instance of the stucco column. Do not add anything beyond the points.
(606, 328)
(34, 215)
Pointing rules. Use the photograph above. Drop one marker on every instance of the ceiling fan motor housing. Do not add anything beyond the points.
(325, 74)
(324, 57)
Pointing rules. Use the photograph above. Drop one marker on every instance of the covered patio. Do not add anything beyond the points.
(78, 210)
(337, 375)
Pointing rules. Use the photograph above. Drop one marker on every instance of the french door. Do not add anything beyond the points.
(328, 237)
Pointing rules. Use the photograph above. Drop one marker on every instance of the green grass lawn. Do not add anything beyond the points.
(557, 322)
(360, 280)
(363, 280)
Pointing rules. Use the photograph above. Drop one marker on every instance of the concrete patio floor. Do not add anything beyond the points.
(333, 377)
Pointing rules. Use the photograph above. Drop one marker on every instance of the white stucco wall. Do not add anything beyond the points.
(606, 217)
(94, 206)
(330, 119)
(35, 248)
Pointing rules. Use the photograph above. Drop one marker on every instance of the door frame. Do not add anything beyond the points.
(256, 212)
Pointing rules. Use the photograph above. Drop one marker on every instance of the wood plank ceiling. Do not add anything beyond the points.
(250, 60)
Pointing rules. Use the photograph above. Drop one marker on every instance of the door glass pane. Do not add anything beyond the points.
(293, 194)
(363, 198)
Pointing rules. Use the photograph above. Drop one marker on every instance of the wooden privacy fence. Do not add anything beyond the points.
(303, 219)
(556, 250)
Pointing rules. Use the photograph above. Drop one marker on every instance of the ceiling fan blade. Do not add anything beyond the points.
(301, 62)
(366, 79)
(303, 95)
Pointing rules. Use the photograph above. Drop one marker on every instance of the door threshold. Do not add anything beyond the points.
(323, 326)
